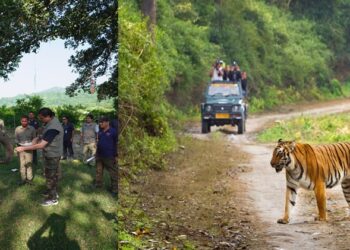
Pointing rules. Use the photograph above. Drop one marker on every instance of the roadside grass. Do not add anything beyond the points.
(307, 129)
(85, 218)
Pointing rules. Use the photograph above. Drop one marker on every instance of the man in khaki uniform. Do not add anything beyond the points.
(88, 137)
(52, 145)
(24, 135)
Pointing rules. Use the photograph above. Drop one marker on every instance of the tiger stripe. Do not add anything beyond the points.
(313, 168)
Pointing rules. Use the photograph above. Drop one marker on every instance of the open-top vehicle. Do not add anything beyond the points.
(224, 104)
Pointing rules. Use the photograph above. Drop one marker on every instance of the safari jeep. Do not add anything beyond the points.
(224, 104)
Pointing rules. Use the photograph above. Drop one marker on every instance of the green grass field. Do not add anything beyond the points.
(308, 129)
(85, 218)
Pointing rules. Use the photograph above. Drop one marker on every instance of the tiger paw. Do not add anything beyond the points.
(320, 218)
(283, 221)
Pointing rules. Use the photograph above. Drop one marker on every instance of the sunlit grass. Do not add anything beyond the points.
(85, 218)
(318, 130)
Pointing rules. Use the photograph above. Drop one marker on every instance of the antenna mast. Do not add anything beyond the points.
(35, 73)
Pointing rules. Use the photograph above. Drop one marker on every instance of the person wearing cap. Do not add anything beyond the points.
(51, 144)
(106, 153)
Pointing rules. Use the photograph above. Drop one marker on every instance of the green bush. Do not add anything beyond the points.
(73, 113)
(8, 116)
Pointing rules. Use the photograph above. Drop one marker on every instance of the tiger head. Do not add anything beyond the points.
(281, 155)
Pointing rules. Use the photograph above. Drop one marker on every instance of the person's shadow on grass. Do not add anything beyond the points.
(52, 235)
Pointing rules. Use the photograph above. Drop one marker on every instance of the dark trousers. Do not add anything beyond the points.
(68, 148)
(35, 157)
(52, 172)
(111, 165)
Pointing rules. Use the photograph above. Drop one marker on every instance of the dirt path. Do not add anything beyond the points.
(221, 193)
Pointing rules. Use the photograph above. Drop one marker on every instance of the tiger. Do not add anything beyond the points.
(313, 168)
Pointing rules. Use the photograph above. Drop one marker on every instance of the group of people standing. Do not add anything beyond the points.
(222, 72)
(55, 139)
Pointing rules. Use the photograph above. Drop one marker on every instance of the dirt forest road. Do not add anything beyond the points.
(266, 189)
(220, 192)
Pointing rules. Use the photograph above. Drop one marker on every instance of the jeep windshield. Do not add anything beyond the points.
(223, 89)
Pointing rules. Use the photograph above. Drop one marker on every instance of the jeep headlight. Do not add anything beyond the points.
(208, 108)
(236, 108)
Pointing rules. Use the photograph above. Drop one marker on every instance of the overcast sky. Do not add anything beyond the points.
(49, 67)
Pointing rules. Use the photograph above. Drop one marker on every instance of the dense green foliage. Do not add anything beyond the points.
(283, 49)
(315, 130)
(332, 25)
(143, 111)
(88, 26)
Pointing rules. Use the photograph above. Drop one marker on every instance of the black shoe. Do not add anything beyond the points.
(114, 194)
(22, 183)
(29, 182)
(97, 186)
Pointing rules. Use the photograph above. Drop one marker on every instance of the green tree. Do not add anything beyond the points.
(143, 111)
(29, 103)
(73, 113)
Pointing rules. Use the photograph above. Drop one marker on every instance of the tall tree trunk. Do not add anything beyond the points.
(148, 8)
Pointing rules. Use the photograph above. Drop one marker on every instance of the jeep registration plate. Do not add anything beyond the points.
(222, 116)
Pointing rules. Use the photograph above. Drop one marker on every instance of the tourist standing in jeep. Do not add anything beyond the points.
(217, 72)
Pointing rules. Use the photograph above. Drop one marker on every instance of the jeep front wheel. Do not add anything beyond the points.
(205, 127)
(241, 126)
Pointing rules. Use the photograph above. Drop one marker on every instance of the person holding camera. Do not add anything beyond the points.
(217, 72)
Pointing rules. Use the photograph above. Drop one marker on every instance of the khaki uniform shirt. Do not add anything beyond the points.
(23, 135)
(89, 132)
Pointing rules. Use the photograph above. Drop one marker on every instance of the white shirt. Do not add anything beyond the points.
(216, 76)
